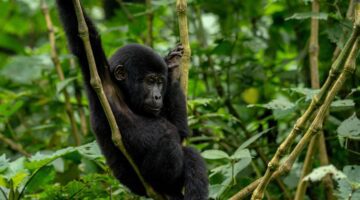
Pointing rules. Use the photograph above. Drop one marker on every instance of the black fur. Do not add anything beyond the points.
(153, 141)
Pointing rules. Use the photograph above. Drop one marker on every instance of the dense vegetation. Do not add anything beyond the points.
(250, 80)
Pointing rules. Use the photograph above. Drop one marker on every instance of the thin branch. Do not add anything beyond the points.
(316, 125)
(78, 96)
(15, 146)
(300, 124)
(125, 10)
(83, 119)
(97, 86)
(349, 16)
(201, 37)
(319, 99)
(286, 167)
(319, 140)
(149, 22)
(59, 71)
(314, 71)
(302, 185)
(181, 7)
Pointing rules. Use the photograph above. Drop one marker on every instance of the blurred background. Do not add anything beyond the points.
(249, 81)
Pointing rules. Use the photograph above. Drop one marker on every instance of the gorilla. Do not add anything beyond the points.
(150, 111)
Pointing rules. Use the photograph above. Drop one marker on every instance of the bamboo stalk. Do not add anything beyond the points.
(314, 61)
(301, 188)
(320, 139)
(181, 7)
(313, 129)
(97, 86)
(56, 61)
(300, 124)
(272, 170)
(316, 125)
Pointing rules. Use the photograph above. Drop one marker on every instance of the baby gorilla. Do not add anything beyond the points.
(150, 111)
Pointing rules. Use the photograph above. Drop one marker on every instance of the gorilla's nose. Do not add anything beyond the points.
(157, 97)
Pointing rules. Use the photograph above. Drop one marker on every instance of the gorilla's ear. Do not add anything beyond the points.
(120, 73)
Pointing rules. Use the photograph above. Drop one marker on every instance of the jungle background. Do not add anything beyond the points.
(249, 82)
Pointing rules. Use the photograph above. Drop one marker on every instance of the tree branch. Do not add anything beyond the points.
(181, 7)
(97, 86)
(322, 98)
(319, 139)
(315, 126)
(14, 145)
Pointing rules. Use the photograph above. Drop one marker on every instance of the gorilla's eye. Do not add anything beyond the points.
(151, 80)
(160, 80)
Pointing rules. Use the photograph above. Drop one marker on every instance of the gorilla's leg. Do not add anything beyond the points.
(195, 175)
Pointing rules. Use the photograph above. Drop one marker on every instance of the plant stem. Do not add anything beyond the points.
(56, 61)
(273, 170)
(181, 7)
(314, 61)
(15, 146)
(149, 21)
(97, 86)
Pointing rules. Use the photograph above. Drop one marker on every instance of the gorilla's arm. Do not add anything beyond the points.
(69, 20)
(174, 100)
(175, 109)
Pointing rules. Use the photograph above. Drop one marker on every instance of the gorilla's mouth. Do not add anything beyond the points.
(152, 109)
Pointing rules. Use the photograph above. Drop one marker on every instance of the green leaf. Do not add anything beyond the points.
(350, 128)
(214, 155)
(215, 191)
(19, 178)
(39, 159)
(341, 105)
(14, 168)
(276, 104)
(24, 69)
(307, 92)
(274, 7)
(224, 47)
(230, 172)
(4, 163)
(63, 84)
(252, 139)
(199, 102)
(90, 151)
(44, 176)
(3, 182)
(351, 185)
(308, 15)
(320, 172)
(11, 108)
(74, 187)
(244, 162)
(241, 153)
(352, 172)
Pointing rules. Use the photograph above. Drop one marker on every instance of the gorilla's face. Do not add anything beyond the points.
(153, 92)
(142, 94)
(141, 74)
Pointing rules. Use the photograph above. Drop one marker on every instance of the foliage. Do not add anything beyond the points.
(248, 83)
(348, 180)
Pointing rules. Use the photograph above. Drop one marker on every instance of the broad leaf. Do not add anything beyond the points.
(214, 155)
(350, 128)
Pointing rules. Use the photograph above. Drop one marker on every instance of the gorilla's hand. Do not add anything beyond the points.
(173, 59)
